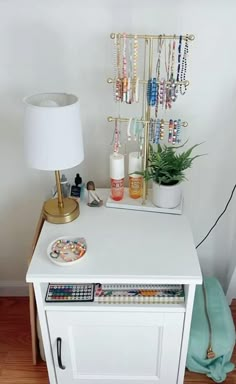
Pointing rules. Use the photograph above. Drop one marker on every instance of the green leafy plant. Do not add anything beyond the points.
(166, 166)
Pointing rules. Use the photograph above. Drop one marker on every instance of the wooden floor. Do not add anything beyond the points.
(15, 348)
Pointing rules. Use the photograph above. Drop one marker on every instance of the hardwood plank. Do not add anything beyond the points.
(33, 314)
(192, 377)
(15, 344)
(32, 303)
(16, 354)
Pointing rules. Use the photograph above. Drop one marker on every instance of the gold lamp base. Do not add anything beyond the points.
(61, 215)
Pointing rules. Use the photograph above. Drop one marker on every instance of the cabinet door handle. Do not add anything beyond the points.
(59, 354)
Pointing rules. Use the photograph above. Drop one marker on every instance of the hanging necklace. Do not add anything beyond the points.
(183, 87)
(157, 132)
(116, 138)
(172, 59)
(115, 67)
(124, 74)
(151, 130)
(178, 131)
(129, 73)
(118, 79)
(158, 73)
(135, 70)
(179, 58)
(168, 73)
(174, 134)
(152, 91)
(162, 129)
(158, 65)
(171, 129)
(167, 63)
(172, 85)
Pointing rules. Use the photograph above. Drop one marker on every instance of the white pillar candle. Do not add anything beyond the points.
(117, 169)
(135, 180)
(135, 162)
(117, 173)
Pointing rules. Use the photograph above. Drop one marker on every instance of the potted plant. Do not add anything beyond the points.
(166, 168)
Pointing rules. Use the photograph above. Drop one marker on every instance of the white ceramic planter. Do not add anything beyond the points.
(166, 196)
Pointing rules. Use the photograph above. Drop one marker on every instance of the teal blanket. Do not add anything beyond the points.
(222, 333)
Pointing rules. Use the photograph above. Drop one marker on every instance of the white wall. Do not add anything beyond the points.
(64, 45)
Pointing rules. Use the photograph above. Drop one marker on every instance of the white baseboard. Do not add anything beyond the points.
(14, 288)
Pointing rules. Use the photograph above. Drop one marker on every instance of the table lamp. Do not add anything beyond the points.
(53, 142)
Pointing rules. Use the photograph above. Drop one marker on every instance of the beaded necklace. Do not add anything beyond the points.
(158, 65)
(158, 73)
(183, 87)
(174, 132)
(162, 93)
(162, 129)
(135, 70)
(168, 66)
(178, 131)
(115, 67)
(116, 137)
(157, 132)
(172, 86)
(151, 130)
(129, 73)
(118, 79)
(167, 63)
(171, 128)
(152, 91)
(124, 69)
(172, 59)
(179, 58)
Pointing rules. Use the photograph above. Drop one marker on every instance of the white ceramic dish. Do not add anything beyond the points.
(67, 250)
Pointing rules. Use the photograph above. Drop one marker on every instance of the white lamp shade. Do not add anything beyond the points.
(53, 133)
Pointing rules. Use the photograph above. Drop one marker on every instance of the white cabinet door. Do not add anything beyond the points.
(116, 347)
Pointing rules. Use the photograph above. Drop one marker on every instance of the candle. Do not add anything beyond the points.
(117, 174)
(135, 180)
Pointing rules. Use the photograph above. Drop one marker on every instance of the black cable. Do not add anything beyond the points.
(218, 217)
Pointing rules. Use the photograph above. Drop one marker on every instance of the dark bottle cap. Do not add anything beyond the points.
(78, 179)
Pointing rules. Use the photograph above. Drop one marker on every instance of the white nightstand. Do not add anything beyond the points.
(118, 344)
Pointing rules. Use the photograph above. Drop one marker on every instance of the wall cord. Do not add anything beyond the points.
(213, 226)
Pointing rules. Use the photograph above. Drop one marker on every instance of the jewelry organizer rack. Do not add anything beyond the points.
(124, 81)
(125, 119)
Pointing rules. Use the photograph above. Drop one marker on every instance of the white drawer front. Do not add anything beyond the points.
(116, 347)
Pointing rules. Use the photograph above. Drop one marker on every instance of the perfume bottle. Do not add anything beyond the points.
(76, 189)
(117, 174)
(135, 179)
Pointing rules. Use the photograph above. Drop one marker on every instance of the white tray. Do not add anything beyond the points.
(138, 205)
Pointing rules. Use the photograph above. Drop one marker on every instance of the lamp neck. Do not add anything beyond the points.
(59, 193)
